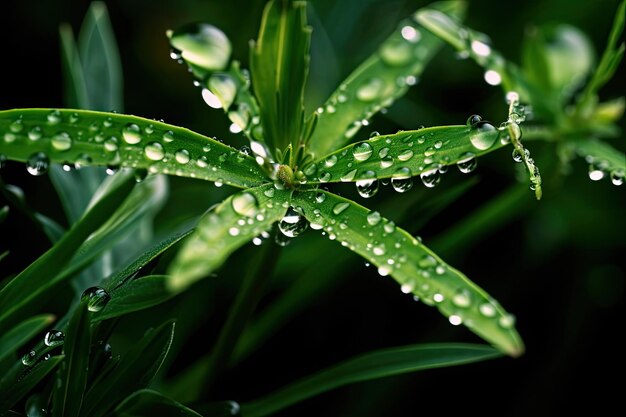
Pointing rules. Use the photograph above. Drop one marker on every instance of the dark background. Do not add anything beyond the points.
(557, 264)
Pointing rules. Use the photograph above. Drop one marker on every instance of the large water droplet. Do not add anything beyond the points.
(493, 77)
(54, 338)
(330, 161)
(405, 155)
(54, 117)
(617, 177)
(483, 135)
(224, 88)
(96, 298)
(154, 151)
(37, 164)
(245, 204)
(467, 163)
(370, 90)
(111, 144)
(131, 134)
(211, 99)
(401, 180)
(396, 52)
(340, 207)
(362, 151)
(35, 133)
(595, 172)
(203, 45)
(487, 310)
(480, 48)
(367, 186)
(293, 223)
(462, 299)
(182, 156)
(431, 177)
(29, 358)
(62, 141)
(348, 176)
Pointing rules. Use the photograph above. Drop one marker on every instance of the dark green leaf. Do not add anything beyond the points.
(102, 139)
(14, 389)
(369, 366)
(416, 268)
(604, 160)
(149, 403)
(224, 229)
(134, 371)
(382, 78)
(71, 383)
(279, 63)
(15, 338)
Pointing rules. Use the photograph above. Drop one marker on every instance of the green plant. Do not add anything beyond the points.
(292, 155)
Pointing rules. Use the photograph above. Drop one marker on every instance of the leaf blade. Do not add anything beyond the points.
(146, 403)
(16, 337)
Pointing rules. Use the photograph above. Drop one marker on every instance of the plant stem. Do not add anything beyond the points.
(247, 298)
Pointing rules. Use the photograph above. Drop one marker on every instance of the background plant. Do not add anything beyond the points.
(448, 239)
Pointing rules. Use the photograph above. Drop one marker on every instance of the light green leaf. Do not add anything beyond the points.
(13, 389)
(416, 268)
(378, 81)
(15, 338)
(99, 56)
(74, 79)
(71, 377)
(279, 64)
(149, 403)
(373, 365)
(604, 160)
(134, 371)
(224, 229)
(109, 139)
(408, 153)
(23, 292)
(135, 295)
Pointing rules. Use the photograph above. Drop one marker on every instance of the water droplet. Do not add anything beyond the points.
(211, 99)
(410, 34)
(293, 223)
(483, 135)
(617, 177)
(224, 88)
(54, 338)
(131, 134)
(379, 250)
(37, 164)
(407, 287)
(96, 298)
(367, 186)
(473, 119)
(348, 176)
(373, 218)
(493, 77)
(595, 172)
(462, 299)
(374, 134)
(487, 310)
(35, 133)
(438, 298)
(396, 52)
(389, 227)
(455, 320)
(29, 358)
(325, 177)
(111, 169)
(384, 270)
(362, 151)
(54, 117)
(245, 204)
(202, 45)
(168, 137)
(517, 156)
(330, 161)
(320, 198)
(17, 126)
(401, 180)
(111, 144)
(340, 208)
(507, 321)
(480, 48)
(383, 152)
(431, 177)
(234, 231)
(154, 151)
(182, 156)
(386, 162)
(370, 90)
(405, 155)
(62, 141)
(108, 122)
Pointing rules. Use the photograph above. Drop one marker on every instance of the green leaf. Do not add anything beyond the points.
(14, 389)
(603, 159)
(373, 365)
(224, 229)
(279, 62)
(24, 291)
(4, 212)
(71, 377)
(416, 268)
(110, 139)
(408, 153)
(74, 79)
(382, 78)
(99, 56)
(149, 403)
(135, 295)
(15, 338)
(134, 371)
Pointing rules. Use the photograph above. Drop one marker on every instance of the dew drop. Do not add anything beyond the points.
(245, 204)
(617, 177)
(595, 173)
(154, 151)
(320, 198)
(348, 176)
(330, 161)
(293, 223)
(224, 88)
(493, 77)
(379, 250)
(438, 298)
(467, 163)
(396, 52)
(367, 186)
(473, 120)
(373, 218)
(431, 177)
(29, 358)
(62, 141)
(480, 48)
(325, 177)
(211, 99)
(111, 145)
(407, 287)
(54, 117)
(507, 321)
(462, 299)
(37, 164)
(340, 208)
(517, 156)
(202, 45)
(483, 135)
(384, 270)
(410, 34)
(362, 151)
(96, 298)
(54, 338)
(487, 310)
(405, 155)
(234, 231)
(455, 320)
(35, 133)
(401, 180)
(131, 134)
(370, 90)
(168, 137)
(182, 156)
(17, 126)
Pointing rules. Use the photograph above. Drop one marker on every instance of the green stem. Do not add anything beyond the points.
(251, 291)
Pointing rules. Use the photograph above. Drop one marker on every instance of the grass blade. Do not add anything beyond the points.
(23, 291)
(149, 403)
(109, 139)
(224, 229)
(72, 376)
(382, 78)
(416, 268)
(279, 63)
(12, 390)
(135, 371)
(15, 338)
(74, 79)
(373, 365)
(604, 160)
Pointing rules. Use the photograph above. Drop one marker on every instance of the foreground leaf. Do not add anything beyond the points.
(417, 269)
(149, 403)
(221, 231)
(15, 338)
(382, 78)
(370, 366)
(108, 139)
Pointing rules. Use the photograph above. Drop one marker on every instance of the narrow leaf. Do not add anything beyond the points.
(13, 390)
(19, 335)
(416, 268)
(373, 365)
(280, 63)
(110, 139)
(604, 160)
(136, 295)
(25, 289)
(149, 403)
(382, 78)
(224, 229)
(134, 371)
(72, 375)
(408, 153)
(74, 79)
